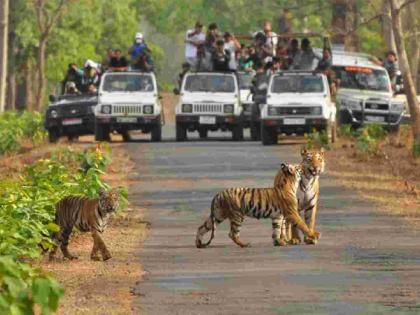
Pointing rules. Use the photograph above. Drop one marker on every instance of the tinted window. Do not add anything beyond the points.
(210, 83)
(128, 83)
(294, 84)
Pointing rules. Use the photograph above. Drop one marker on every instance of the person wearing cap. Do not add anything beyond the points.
(233, 46)
(138, 47)
(90, 75)
(193, 39)
(221, 57)
(306, 57)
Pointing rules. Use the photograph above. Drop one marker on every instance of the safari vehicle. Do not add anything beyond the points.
(128, 101)
(70, 115)
(365, 95)
(209, 101)
(245, 86)
(297, 103)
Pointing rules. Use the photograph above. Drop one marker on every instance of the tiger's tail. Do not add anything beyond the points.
(213, 223)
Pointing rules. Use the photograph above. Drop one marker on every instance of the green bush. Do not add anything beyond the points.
(27, 208)
(317, 140)
(15, 127)
(368, 140)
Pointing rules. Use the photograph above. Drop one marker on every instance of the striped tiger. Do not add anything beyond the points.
(275, 203)
(313, 164)
(87, 215)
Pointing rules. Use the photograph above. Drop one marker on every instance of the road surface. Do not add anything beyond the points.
(365, 262)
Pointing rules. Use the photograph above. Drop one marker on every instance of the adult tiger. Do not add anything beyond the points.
(277, 203)
(87, 215)
(313, 164)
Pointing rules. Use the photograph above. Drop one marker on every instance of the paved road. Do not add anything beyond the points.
(365, 262)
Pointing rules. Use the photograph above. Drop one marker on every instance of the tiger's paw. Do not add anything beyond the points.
(95, 258)
(295, 241)
(315, 236)
(280, 242)
(106, 256)
(245, 245)
(310, 241)
(199, 244)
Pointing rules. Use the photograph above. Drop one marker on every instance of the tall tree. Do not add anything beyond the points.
(48, 13)
(410, 88)
(4, 23)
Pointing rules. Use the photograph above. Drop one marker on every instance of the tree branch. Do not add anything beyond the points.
(39, 4)
(377, 16)
(402, 6)
(55, 17)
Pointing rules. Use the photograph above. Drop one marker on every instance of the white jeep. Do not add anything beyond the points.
(297, 102)
(128, 101)
(364, 93)
(209, 101)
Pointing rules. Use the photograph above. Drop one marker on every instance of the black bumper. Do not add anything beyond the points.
(141, 123)
(358, 118)
(318, 124)
(85, 128)
(222, 122)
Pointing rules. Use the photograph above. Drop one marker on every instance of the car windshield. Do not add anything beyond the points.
(245, 81)
(128, 83)
(297, 84)
(362, 78)
(210, 83)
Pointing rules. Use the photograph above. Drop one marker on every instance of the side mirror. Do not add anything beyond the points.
(176, 91)
(52, 98)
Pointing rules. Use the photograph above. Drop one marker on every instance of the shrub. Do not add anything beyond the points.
(368, 141)
(317, 140)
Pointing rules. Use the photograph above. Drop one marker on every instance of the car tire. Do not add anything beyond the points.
(126, 136)
(157, 132)
(53, 135)
(181, 132)
(203, 133)
(238, 132)
(268, 135)
(102, 132)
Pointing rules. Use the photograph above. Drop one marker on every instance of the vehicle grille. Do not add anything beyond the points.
(208, 108)
(376, 106)
(127, 109)
(295, 110)
(74, 111)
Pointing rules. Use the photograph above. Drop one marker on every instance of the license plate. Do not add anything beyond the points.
(375, 118)
(294, 121)
(126, 120)
(207, 120)
(72, 121)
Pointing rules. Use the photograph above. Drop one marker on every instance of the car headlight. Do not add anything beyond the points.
(317, 111)
(228, 109)
(148, 109)
(272, 111)
(53, 113)
(106, 109)
(186, 108)
(351, 104)
(397, 107)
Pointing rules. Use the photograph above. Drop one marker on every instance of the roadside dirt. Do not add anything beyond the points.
(391, 181)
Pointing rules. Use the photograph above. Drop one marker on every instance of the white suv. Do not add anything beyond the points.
(128, 101)
(297, 103)
(209, 101)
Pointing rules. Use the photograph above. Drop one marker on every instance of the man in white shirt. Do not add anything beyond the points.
(232, 45)
(194, 38)
(272, 39)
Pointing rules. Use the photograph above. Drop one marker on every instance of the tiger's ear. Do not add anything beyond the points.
(322, 151)
(303, 152)
(286, 168)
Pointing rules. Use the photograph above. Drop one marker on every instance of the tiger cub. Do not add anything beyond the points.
(87, 215)
(275, 203)
(313, 164)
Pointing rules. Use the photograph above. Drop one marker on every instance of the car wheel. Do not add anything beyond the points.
(181, 132)
(238, 132)
(203, 133)
(53, 135)
(268, 135)
(102, 132)
(157, 132)
(126, 136)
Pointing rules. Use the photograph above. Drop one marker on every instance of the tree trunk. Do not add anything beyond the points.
(39, 102)
(344, 19)
(387, 31)
(11, 91)
(29, 80)
(410, 89)
(414, 40)
(4, 23)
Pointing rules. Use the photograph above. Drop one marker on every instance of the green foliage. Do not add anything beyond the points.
(416, 149)
(21, 287)
(27, 208)
(368, 140)
(346, 131)
(317, 140)
(15, 127)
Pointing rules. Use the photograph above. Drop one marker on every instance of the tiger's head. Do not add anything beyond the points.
(108, 200)
(291, 173)
(313, 161)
